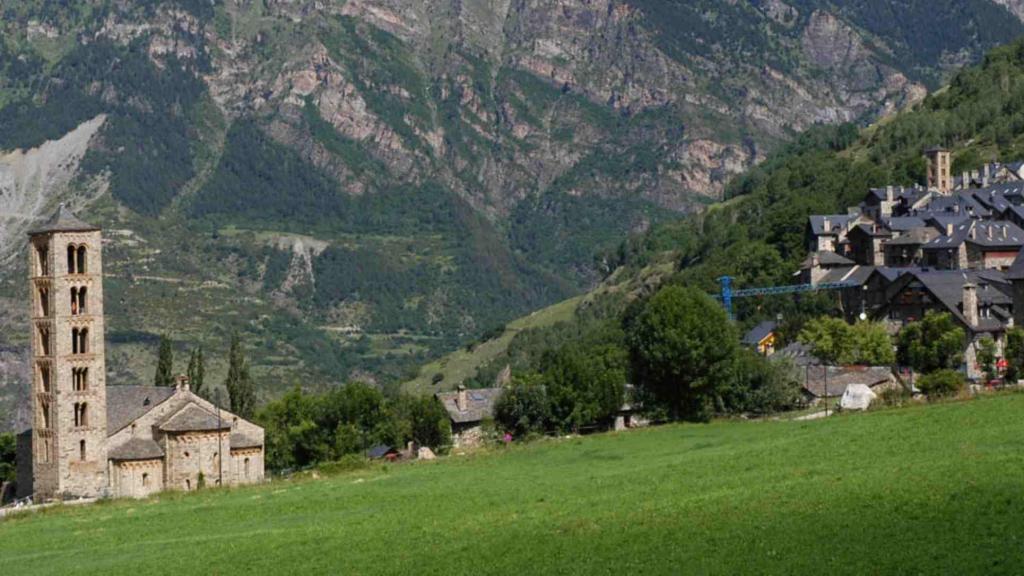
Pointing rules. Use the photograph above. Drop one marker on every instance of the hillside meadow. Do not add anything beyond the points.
(926, 489)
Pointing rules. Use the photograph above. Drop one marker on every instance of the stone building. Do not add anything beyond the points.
(90, 440)
(468, 410)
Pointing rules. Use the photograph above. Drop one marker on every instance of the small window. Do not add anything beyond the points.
(44, 302)
(42, 260)
(186, 454)
(81, 450)
(44, 377)
(188, 484)
(44, 414)
(81, 260)
(71, 259)
(145, 480)
(81, 300)
(44, 340)
(246, 473)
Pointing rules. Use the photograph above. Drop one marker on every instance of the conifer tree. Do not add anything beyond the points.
(164, 364)
(241, 394)
(196, 371)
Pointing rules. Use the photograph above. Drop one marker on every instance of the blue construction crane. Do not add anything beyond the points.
(728, 294)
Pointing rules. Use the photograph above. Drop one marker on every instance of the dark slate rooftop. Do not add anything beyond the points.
(127, 403)
(379, 451)
(193, 418)
(825, 259)
(136, 449)
(836, 223)
(63, 221)
(903, 223)
(758, 333)
(799, 354)
(481, 404)
(996, 235)
(947, 286)
(1016, 271)
(831, 381)
(915, 237)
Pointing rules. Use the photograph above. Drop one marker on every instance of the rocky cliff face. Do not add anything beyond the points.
(362, 184)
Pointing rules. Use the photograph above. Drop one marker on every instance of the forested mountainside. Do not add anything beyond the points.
(758, 235)
(359, 185)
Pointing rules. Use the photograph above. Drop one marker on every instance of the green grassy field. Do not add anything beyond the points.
(921, 490)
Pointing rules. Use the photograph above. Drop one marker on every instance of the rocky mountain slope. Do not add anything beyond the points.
(359, 185)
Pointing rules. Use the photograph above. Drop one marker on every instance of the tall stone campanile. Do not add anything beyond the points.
(69, 372)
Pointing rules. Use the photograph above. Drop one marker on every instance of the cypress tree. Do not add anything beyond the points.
(196, 371)
(164, 364)
(241, 394)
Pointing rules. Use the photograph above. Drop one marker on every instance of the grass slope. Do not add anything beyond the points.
(930, 489)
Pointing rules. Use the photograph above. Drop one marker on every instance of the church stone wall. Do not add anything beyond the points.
(137, 478)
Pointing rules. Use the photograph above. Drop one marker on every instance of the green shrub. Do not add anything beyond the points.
(941, 383)
(347, 463)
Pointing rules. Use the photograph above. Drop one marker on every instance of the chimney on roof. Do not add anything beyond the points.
(949, 229)
(1006, 231)
(974, 231)
(461, 401)
(181, 383)
(988, 231)
(970, 303)
(986, 173)
(965, 181)
(889, 193)
(826, 224)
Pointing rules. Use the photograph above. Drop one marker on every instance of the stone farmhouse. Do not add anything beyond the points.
(89, 440)
(953, 245)
(468, 410)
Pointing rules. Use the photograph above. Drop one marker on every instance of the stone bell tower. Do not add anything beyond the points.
(69, 456)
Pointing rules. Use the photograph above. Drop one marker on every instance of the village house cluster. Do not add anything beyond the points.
(951, 246)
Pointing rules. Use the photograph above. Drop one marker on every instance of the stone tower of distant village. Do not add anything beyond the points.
(940, 169)
(69, 372)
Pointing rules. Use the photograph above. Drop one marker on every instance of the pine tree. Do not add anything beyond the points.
(241, 394)
(196, 371)
(164, 364)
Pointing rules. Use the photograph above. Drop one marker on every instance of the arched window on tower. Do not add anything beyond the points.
(74, 301)
(71, 259)
(44, 340)
(44, 378)
(81, 300)
(42, 260)
(44, 302)
(81, 260)
(44, 414)
(83, 345)
(74, 341)
(80, 379)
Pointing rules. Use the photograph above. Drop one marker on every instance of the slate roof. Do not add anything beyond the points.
(903, 223)
(799, 354)
(1016, 271)
(63, 221)
(759, 332)
(136, 449)
(1003, 235)
(837, 222)
(834, 379)
(481, 404)
(239, 440)
(825, 259)
(379, 451)
(193, 418)
(126, 404)
(915, 237)
(947, 287)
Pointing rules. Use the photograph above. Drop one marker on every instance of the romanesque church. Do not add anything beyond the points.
(90, 440)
